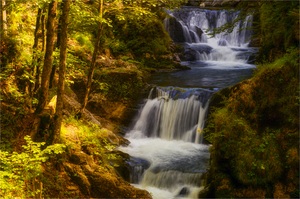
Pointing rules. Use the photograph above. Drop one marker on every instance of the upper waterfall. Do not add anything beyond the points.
(193, 27)
(198, 23)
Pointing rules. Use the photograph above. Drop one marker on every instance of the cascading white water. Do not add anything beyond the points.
(197, 25)
(167, 154)
(171, 119)
(165, 142)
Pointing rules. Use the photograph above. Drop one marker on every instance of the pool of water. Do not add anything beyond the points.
(205, 74)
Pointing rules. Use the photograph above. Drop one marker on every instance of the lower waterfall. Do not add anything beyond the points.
(168, 157)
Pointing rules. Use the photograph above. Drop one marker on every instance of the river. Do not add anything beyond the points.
(168, 156)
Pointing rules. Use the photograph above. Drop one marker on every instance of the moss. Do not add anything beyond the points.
(254, 131)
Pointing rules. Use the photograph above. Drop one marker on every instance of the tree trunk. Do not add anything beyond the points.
(59, 26)
(37, 27)
(44, 91)
(3, 22)
(38, 67)
(35, 55)
(93, 63)
(62, 71)
(43, 29)
(57, 46)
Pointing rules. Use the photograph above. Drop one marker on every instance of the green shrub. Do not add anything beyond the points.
(20, 172)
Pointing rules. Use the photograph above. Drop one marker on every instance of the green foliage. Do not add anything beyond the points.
(8, 52)
(279, 28)
(75, 68)
(119, 84)
(84, 41)
(19, 172)
(136, 29)
(92, 138)
(260, 120)
(83, 18)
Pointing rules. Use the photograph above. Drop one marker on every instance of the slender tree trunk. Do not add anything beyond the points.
(93, 63)
(57, 46)
(59, 27)
(62, 71)
(43, 19)
(1, 18)
(48, 57)
(38, 67)
(37, 27)
(35, 56)
(3, 22)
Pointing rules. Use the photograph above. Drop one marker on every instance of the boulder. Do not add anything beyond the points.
(175, 30)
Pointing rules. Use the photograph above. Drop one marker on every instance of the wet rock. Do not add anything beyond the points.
(120, 164)
(184, 192)
(189, 55)
(137, 167)
(199, 31)
(175, 30)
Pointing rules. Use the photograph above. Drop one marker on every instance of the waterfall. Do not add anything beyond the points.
(174, 114)
(193, 26)
(198, 23)
(168, 157)
(165, 142)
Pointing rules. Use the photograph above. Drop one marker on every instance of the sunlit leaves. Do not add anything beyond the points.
(18, 169)
(83, 17)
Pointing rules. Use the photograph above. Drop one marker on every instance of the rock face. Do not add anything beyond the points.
(96, 181)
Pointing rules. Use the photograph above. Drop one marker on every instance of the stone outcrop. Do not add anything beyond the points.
(95, 181)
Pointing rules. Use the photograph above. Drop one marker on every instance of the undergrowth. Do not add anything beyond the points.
(20, 173)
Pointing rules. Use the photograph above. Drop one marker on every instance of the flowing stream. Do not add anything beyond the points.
(168, 156)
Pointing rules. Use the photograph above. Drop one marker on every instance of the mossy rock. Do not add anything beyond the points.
(259, 119)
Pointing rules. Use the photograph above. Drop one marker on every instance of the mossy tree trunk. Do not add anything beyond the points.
(93, 63)
(44, 91)
(62, 70)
